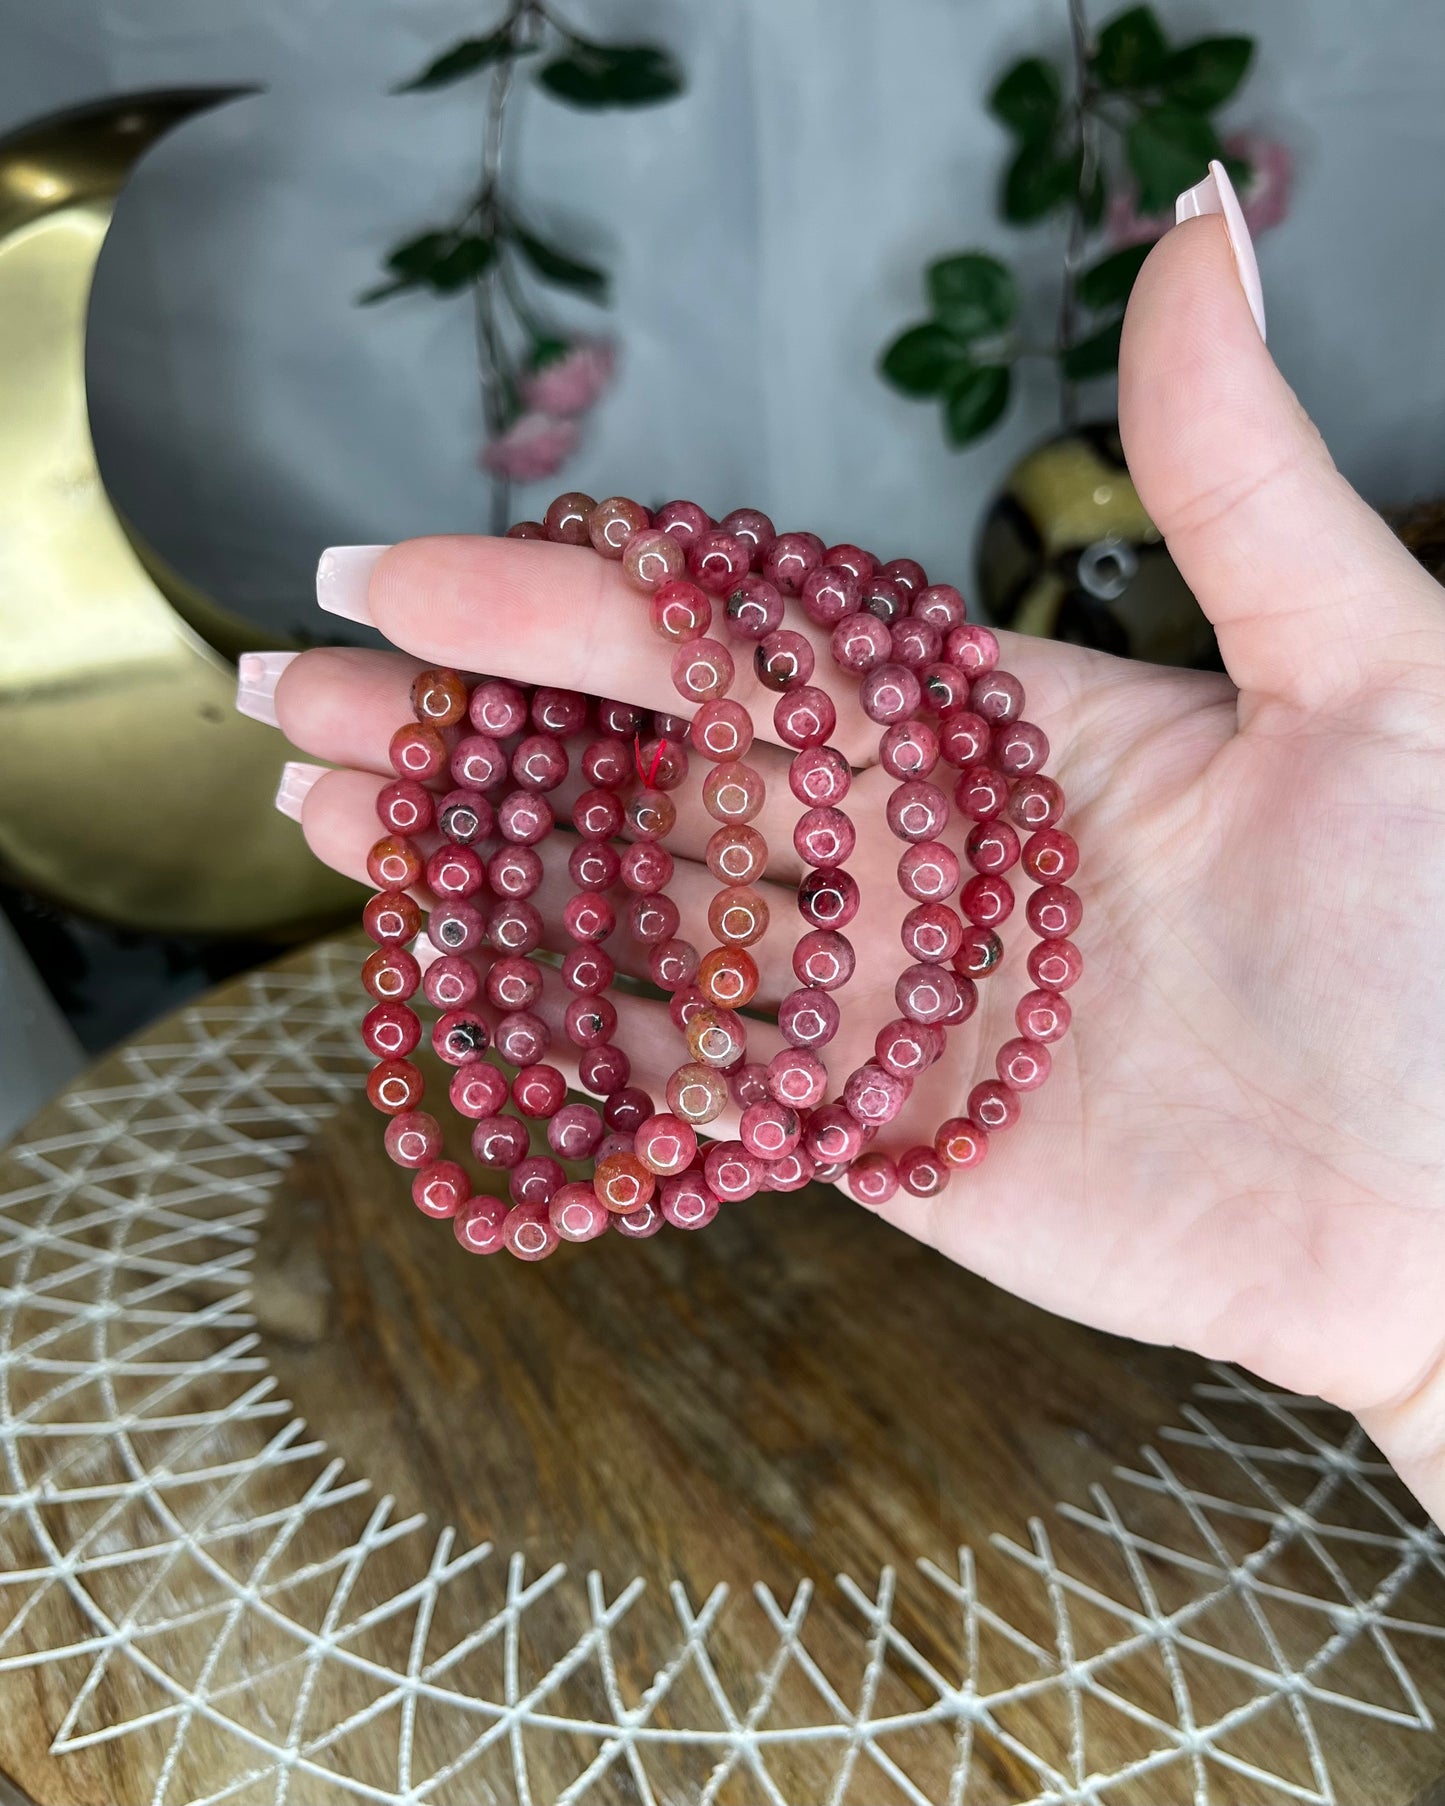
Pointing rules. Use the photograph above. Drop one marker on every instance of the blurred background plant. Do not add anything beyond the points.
(536, 382)
(1108, 144)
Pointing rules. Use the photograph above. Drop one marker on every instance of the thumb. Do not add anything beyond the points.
(1312, 596)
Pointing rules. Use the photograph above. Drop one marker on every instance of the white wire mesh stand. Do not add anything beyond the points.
(172, 1516)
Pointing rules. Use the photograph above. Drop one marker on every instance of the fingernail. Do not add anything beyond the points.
(257, 674)
(1215, 194)
(342, 579)
(296, 780)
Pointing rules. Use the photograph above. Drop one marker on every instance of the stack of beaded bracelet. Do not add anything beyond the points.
(474, 771)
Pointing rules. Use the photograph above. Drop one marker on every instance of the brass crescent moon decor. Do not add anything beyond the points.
(163, 819)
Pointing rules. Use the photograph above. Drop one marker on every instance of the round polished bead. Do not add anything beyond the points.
(848, 557)
(604, 1071)
(748, 1084)
(455, 872)
(979, 952)
(391, 974)
(522, 1037)
(907, 1048)
(917, 810)
(889, 693)
(997, 696)
(1035, 802)
(459, 1037)
(804, 716)
(688, 1202)
(784, 660)
(702, 670)
(394, 1086)
(1055, 965)
(737, 854)
(754, 526)
(1020, 748)
(716, 1037)
(964, 739)
(619, 720)
(589, 916)
(465, 816)
(945, 689)
(916, 644)
(609, 762)
(696, 1093)
(931, 932)
(873, 1095)
(524, 817)
(534, 1180)
(770, 1130)
(539, 1090)
(417, 752)
(650, 814)
(477, 761)
(791, 1172)
(790, 560)
(922, 1172)
(413, 1139)
(646, 867)
(730, 1172)
(652, 558)
(574, 1132)
(593, 864)
(808, 1017)
(754, 608)
(967, 1001)
(928, 871)
(887, 602)
(872, 1179)
(1043, 1016)
(722, 730)
(908, 749)
(539, 762)
(438, 697)
(391, 917)
(626, 1109)
(680, 611)
(685, 1003)
(652, 920)
(498, 708)
(829, 593)
(1054, 911)
(733, 792)
(662, 763)
(623, 1183)
(685, 521)
(589, 1021)
(986, 900)
(1023, 1064)
(906, 572)
(973, 649)
(612, 523)
(728, 976)
(960, 1143)
(820, 776)
(992, 847)
(672, 963)
(860, 644)
(527, 1232)
(513, 982)
(798, 1078)
(393, 864)
(479, 1090)
(665, 1144)
(405, 807)
(828, 899)
(925, 993)
(513, 926)
(738, 915)
(456, 927)
(823, 959)
(566, 520)
(1050, 856)
(981, 792)
(514, 871)
(588, 969)
(993, 1105)
(639, 1225)
(555, 711)
(833, 1136)
(597, 814)
(941, 604)
(824, 837)
(719, 561)
(441, 1189)
(577, 1213)
(480, 1225)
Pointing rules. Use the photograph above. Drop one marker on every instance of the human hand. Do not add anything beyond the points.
(1241, 1147)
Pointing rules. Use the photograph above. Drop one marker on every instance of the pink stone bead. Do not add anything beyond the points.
(754, 526)
(1050, 856)
(696, 1093)
(972, 648)
(686, 1002)
(405, 807)
(418, 752)
(719, 561)
(574, 1132)
(738, 915)
(804, 716)
(823, 959)
(623, 1183)
(589, 1021)
(917, 810)
(997, 696)
(539, 762)
(906, 1048)
(522, 1038)
(702, 670)
(594, 865)
(828, 593)
(393, 1086)
(790, 560)
(749, 1084)
(391, 975)
(458, 927)
(479, 1090)
(393, 864)
(906, 572)
(941, 604)
(981, 792)
(848, 557)
(963, 739)
(828, 899)
(534, 1180)
(680, 611)
(731, 1172)
(1054, 911)
(498, 709)
(565, 521)
(441, 1189)
(1055, 965)
(613, 523)
(754, 608)
(931, 932)
(783, 660)
(820, 776)
(459, 1037)
(477, 761)
(922, 1172)
(562, 712)
(1023, 1064)
(515, 871)
(993, 1106)
(455, 872)
(1043, 1016)
(665, 1144)
(737, 854)
(465, 816)
(646, 867)
(770, 1130)
(664, 761)
(960, 1144)
(733, 792)
(790, 1173)
(652, 558)
(479, 1224)
(987, 901)
(587, 969)
(945, 689)
(874, 1096)
(451, 982)
(650, 814)
(967, 1001)
(929, 871)
(499, 1141)
(577, 1213)
(992, 847)
(524, 817)
(652, 920)
(716, 1037)
(597, 814)
(391, 918)
(589, 916)
(889, 693)
(833, 1135)
(861, 643)
(808, 1018)
(614, 1143)
(639, 1225)
(604, 1071)
(528, 1232)
(390, 1030)
(688, 1201)
(1035, 802)
(916, 644)
(924, 993)
(824, 837)
(886, 601)
(685, 522)
(908, 749)
(797, 1078)
(728, 976)
(980, 951)
(722, 730)
(872, 1179)
(1020, 748)
(618, 720)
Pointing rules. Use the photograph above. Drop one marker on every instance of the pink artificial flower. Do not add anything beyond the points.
(1264, 199)
(573, 382)
(533, 447)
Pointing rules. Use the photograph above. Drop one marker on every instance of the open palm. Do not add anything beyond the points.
(1241, 1145)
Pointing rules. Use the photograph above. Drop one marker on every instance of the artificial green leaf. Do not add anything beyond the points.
(470, 256)
(972, 295)
(1203, 75)
(1036, 182)
(921, 360)
(611, 75)
(547, 351)
(556, 266)
(1132, 50)
(1027, 99)
(1108, 282)
(1239, 170)
(1096, 355)
(464, 59)
(1093, 197)
(975, 398)
(1168, 148)
(418, 257)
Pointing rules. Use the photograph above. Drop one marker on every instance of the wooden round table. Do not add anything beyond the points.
(300, 1503)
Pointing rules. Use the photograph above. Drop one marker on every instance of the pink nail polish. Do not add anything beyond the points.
(342, 579)
(1215, 194)
(257, 674)
(296, 780)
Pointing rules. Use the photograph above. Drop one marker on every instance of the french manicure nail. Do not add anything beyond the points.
(296, 780)
(1215, 194)
(342, 579)
(257, 674)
